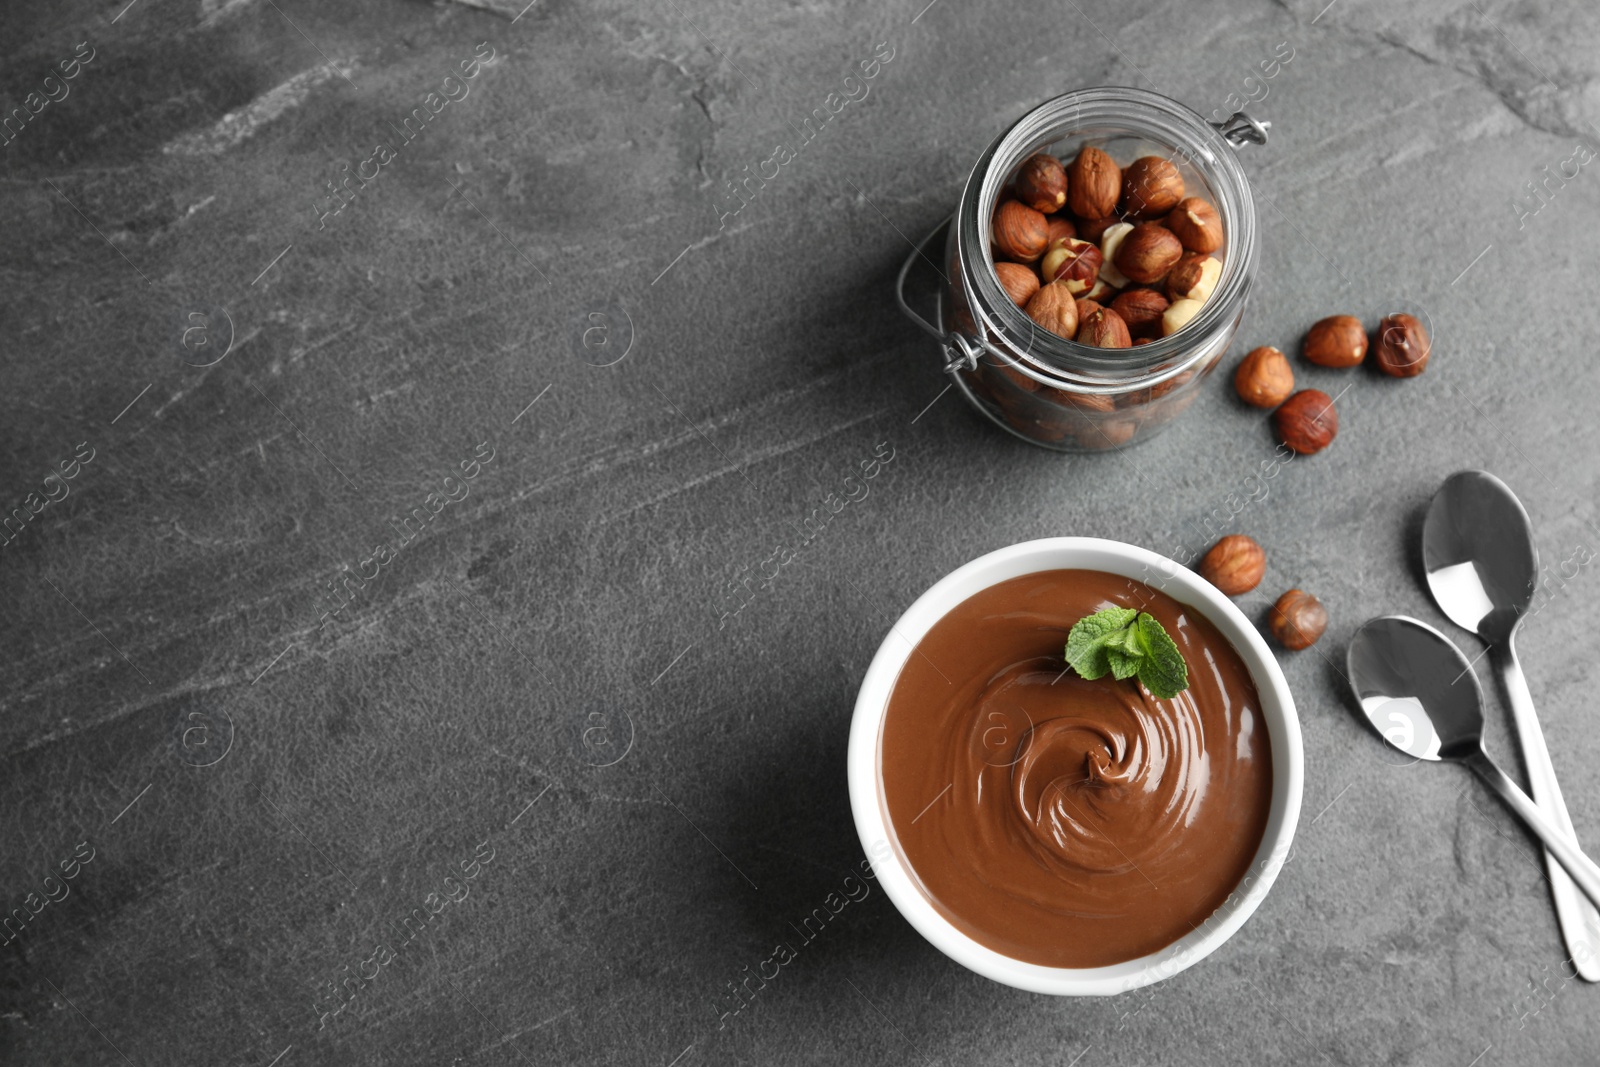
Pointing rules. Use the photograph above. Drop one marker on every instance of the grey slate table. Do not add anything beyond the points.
(527, 738)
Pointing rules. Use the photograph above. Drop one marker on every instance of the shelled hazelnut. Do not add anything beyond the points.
(1042, 183)
(1147, 253)
(1105, 233)
(1019, 282)
(1264, 378)
(1336, 341)
(1141, 309)
(1020, 232)
(1073, 262)
(1194, 277)
(1298, 619)
(1104, 329)
(1235, 564)
(1307, 422)
(1151, 186)
(1403, 346)
(1196, 224)
(1094, 184)
(1110, 245)
(1053, 307)
(1178, 314)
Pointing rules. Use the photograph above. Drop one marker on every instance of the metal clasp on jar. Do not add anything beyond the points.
(1240, 129)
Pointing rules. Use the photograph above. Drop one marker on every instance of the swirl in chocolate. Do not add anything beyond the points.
(1067, 822)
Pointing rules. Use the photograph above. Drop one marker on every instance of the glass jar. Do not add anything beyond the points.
(1045, 388)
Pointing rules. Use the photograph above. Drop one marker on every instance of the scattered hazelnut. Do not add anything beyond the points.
(1336, 341)
(1087, 307)
(1148, 253)
(1020, 232)
(1197, 225)
(1074, 262)
(1194, 277)
(1019, 282)
(1141, 309)
(1110, 241)
(1151, 186)
(1307, 422)
(1235, 564)
(1059, 228)
(1094, 183)
(1178, 314)
(1054, 308)
(1298, 619)
(1041, 183)
(1264, 378)
(1403, 346)
(1104, 329)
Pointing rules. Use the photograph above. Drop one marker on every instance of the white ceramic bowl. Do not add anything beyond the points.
(866, 779)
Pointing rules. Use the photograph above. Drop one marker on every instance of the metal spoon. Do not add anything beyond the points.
(1420, 693)
(1483, 570)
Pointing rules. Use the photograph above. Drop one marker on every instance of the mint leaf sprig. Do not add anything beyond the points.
(1127, 643)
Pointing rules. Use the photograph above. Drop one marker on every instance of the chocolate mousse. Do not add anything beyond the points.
(1062, 821)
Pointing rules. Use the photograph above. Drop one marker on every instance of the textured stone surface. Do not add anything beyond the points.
(176, 594)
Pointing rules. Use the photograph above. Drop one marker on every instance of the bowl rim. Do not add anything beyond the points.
(863, 763)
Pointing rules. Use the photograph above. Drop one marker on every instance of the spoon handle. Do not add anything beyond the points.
(1580, 867)
(1580, 922)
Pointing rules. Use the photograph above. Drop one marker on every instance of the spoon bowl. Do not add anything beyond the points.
(1478, 550)
(1416, 688)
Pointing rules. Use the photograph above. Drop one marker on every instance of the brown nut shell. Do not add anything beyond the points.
(1298, 619)
(1337, 341)
(1307, 422)
(1236, 564)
